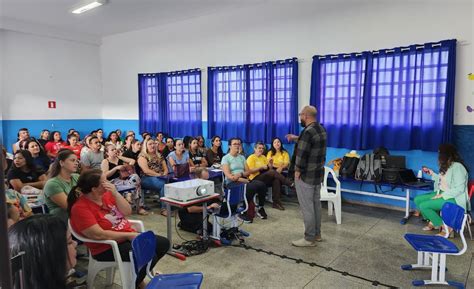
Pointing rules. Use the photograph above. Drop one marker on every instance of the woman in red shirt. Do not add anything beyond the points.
(74, 145)
(54, 144)
(98, 212)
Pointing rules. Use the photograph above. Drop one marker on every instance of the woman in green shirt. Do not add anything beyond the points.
(450, 186)
(62, 178)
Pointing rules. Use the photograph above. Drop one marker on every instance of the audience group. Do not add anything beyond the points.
(95, 183)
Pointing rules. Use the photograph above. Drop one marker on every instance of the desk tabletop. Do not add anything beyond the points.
(189, 203)
(428, 187)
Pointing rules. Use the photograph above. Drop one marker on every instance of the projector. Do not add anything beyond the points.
(189, 190)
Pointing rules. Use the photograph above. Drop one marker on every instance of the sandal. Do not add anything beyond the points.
(430, 227)
(164, 212)
(443, 234)
(143, 212)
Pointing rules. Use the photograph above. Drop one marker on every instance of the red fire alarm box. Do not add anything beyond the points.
(51, 104)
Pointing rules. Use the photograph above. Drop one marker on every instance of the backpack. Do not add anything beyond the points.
(348, 167)
(369, 169)
(380, 153)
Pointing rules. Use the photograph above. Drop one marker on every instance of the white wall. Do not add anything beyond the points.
(282, 29)
(39, 68)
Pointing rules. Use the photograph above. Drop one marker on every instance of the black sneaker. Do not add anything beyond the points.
(261, 213)
(245, 218)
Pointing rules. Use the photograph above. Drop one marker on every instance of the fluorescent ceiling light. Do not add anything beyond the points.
(87, 5)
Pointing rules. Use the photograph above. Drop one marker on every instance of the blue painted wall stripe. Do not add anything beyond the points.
(463, 139)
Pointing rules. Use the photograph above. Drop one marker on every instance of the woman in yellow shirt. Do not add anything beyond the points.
(261, 169)
(278, 156)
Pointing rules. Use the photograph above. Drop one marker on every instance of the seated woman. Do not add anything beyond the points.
(54, 144)
(160, 145)
(191, 217)
(128, 143)
(179, 156)
(62, 178)
(85, 147)
(236, 169)
(25, 173)
(215, 154)
(46, 240)
(114, 139)
(44, 137)
(197, 157)
(40, 159)
(169, 147)
(98, 212)
(133, 153)
(278, 156)
(74, 145)
(153, 165)
(116, 172)
(99, 133)
(201, 144)
(450, 186)
(261, 169)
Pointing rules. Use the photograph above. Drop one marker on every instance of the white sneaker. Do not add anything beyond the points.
(303, 243)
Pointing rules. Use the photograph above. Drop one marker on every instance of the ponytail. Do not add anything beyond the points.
(87, 181)
(72, 197)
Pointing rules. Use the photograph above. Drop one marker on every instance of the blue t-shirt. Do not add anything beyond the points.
(184, 159)
(236, 164)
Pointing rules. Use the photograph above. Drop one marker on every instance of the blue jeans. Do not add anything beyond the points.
(154, 184)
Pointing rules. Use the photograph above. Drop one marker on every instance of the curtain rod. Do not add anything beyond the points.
(289, 60)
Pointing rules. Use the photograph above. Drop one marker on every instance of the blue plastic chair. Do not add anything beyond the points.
(432, 250)
(235, 202)
(143, 251)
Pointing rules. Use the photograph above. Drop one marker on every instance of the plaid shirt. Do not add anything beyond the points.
(310, 155)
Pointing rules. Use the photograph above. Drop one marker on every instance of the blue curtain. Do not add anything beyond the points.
(402, 98)
(184, 103)
(337, 90)
(170, 102)
(253, 102)
(153, 108)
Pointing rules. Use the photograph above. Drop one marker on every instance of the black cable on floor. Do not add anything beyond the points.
(312, 264)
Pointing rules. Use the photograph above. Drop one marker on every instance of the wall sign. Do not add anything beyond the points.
(52, 104)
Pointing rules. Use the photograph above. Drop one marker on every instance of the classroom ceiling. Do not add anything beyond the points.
(117, 16)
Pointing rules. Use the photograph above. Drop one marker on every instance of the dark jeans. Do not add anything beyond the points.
(162, 246)
(255, 187)
(275, 180)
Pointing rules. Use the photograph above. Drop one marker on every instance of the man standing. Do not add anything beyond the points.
(310, 156)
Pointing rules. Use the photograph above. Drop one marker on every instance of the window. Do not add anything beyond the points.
(253, 102)
(401, 98)
(171, 102)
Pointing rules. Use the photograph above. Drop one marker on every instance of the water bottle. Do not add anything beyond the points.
(420, 174)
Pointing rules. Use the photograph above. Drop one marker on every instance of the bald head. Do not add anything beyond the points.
(310, 111)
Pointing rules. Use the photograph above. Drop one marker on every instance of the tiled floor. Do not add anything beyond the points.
(369, 243)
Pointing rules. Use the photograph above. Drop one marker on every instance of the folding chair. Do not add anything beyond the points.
(432, 250)
(143, 251)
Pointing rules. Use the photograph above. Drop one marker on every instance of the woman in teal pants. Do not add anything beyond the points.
(450, 185)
